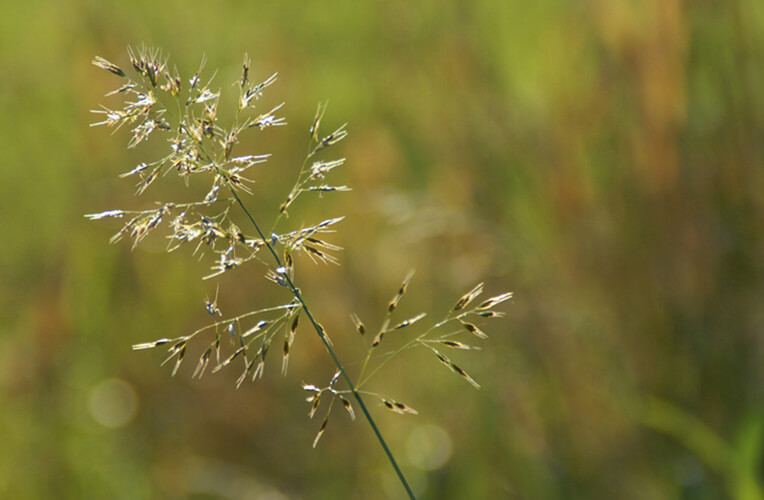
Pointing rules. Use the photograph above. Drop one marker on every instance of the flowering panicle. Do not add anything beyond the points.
(198, 147)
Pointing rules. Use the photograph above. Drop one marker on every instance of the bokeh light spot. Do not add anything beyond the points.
(113, 403)
(429, 447)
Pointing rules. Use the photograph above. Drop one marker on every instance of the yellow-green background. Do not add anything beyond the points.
(601, 159)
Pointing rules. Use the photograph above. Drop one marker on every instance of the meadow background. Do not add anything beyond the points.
(604, 160)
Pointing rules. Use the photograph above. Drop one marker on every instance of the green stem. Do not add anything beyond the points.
(296, 292)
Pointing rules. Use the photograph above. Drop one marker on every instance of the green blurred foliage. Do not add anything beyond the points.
(602, 159)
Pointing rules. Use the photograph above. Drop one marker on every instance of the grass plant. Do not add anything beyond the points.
(158, 104)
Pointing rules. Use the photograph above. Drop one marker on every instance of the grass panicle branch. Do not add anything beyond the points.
(157, 101)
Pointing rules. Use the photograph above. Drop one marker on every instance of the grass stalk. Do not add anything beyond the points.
(297, 295)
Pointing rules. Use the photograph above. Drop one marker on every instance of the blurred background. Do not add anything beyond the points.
(601, 159)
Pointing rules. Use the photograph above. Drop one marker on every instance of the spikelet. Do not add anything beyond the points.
(150, 345)
(382, 331)
(398, 407)
(494, 301)
(204, 360)
(177, 350)
(229, 359)
(288, 339)
(456, 369)
(410, 321)
(468, 297)
(320, 431)
(458, 345)
(401, 291)
(474, 330)
(348, 407)
(248, 364)
(359, 326)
